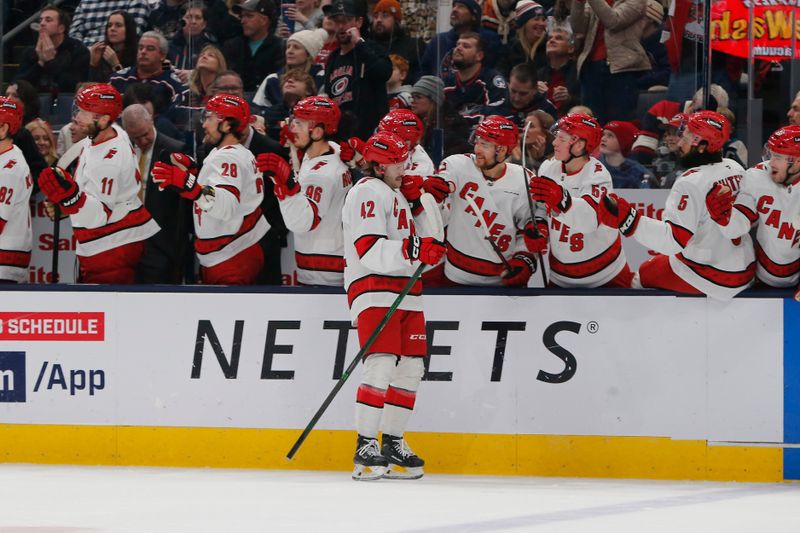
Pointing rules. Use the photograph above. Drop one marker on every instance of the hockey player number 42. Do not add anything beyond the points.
(368, 209)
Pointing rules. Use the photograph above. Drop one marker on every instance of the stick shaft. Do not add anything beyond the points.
(56, 237)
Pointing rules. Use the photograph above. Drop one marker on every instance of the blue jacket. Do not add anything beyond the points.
(439, 51)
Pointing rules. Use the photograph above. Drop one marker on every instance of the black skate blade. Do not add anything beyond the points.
(400, 472)
(368, 473)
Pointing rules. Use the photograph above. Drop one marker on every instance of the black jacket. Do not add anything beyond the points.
(402, 44)
(254, 68)
(69, 67)
(36, 163)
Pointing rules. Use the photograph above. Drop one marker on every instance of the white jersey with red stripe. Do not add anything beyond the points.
(699, 252)
(113, 215)
(376, 219)
(583, 252)
(315, 217)
(774, 208)
(15, 215)
(234, 221)
(419, 163)
(503, 205)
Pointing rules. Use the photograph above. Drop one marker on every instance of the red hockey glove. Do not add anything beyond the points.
(554, 196)
(280, 173)
(346, 153)
(616, 212)
(522, 267)
(357, 147)
(425, 249)
(410, 187)
(60, 188)
(285, 136)
(719, 202)
(535, 237)
(180, 175)
(437, 187)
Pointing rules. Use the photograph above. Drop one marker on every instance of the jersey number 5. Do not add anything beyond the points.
(368, 209)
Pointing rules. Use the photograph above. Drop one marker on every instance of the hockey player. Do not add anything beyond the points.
(311, 205)
(583, 253)
(15, 191)
(382, 249)
(697, 258)
(408, 126)
(227, 193)
(768, 199)
(108, 218)
(499, 191)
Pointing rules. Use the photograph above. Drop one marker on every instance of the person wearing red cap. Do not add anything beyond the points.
(388, 33)
(615, 145)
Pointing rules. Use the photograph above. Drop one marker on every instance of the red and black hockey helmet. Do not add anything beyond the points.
(785, 141)
(319, 110)
(584, 127)
(230, 106)
(11, 114)
(385, 148)
(498, 130)
(403, 123)
(100, 98)
(711, 127)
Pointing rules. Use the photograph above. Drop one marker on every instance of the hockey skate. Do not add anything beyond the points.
(403, 463)
(369, 463)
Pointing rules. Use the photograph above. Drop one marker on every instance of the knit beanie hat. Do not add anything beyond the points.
(625, 132)
(430, 86)
(311, 40)
(526, 10)
(473, 7)
(389, 6)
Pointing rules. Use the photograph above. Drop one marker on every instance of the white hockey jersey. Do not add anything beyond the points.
(503, 203)
(376, 219)
(775, 209)
(234, 221)
(315, 217)
(113, 215)
(419, 163)
(583, 252)
(699, 252)
(15, 216)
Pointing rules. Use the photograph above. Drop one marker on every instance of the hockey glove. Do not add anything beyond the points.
(719, 202)
(357, 147)
(522, 267)
(280, 173)
(180, 175)
(437, 187)
(615, 211)
(410, 187)
(425, 249)
(535, 237)
(285, 136)
(60, 188)
(554, 196)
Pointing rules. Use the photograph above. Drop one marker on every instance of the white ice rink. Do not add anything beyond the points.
(70, 499)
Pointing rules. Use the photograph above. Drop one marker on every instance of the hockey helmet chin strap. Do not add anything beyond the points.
(311, 139)
(573, 156)
(791, 177)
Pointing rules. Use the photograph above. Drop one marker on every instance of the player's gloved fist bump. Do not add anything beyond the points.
(60, 188)
(719, 202)
(425, 249)
(285, 136)
(554, 196)
(181, 175)
(536, 237)
(437, 187)
(522, 267)
(280, 173)
(410, 187)
(617, 212)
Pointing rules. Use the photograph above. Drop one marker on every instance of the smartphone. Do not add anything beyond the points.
(285, 14)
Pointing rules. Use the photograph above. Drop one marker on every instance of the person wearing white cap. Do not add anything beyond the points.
(301, 49)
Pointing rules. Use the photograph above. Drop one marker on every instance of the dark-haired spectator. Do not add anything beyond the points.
(397, 90)
(464, 17)
(331, 42)
(734, 148)
(560, 75)
(612, 57)
(793, 114)
(387, 32)
(524, 96)
(356, 73)
(91, 17)
(615, 145)
(474, 91)
(295, 85)
(57, 62)
(301, 49)
(166, 17)
(117, 50)
(185, 47)
(499, 17)
(22, 91)
(528, 43)
(658, 76)
(258, 52)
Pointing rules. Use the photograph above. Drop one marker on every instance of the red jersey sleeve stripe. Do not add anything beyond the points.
(680, 234)
(723, 278)
(365, 243)
(231, 189)
(317, 218)
(473, 265)
(779, 270)
(746, 211)
(319, 262)
(206, 246)
(589, 267)
(135, 218)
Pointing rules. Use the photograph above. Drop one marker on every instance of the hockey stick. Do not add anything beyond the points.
(434, 217)
(486, 233)
(56, 237)
(530, 200)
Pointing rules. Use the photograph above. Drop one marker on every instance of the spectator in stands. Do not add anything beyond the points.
(499, 17)
(524, 96)
(305, 14)
(143, 93)
(296, 84)
(44, 139)
(165, 253)
(185, 47)
(614, 146)
(301, 49)
(658, 75)
(794, 111)
(668, 165)
(539, 140)
(258, 52)
(397, 90)
(117, 50)
(528, 45)
(57, 62)
(560, 75)
(210, 63)
(612, 57)
(91, 17)
(331, 42)
(24, 92)
(70, 133)
(474, 91)
(356, 73)
(166, 17)
(464, 17)
(734, 148)
(427, 97)
(168, 89)
(388, 33)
